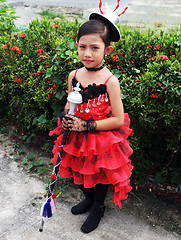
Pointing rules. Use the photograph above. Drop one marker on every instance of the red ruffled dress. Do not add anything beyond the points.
(100, 157)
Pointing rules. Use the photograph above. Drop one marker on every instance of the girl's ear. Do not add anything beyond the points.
(108, 50)
(76, 44)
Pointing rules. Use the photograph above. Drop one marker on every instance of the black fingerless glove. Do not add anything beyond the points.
(74, 123)
(62, 115)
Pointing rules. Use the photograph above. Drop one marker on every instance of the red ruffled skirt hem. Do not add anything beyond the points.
(100, 157)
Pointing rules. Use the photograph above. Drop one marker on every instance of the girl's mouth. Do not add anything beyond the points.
(87, 61)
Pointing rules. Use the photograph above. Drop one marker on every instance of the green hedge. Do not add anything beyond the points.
(35, 65)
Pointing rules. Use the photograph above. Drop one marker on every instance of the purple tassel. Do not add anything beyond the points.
(47, 211)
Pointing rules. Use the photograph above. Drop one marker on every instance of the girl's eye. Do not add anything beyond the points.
(82, 47)
(95, 48)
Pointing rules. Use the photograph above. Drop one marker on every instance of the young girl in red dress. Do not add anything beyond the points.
(96, 153)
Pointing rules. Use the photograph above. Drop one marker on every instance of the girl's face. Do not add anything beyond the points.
(91, 50)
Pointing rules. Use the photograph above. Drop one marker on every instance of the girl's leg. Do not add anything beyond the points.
(86, 204)
(97, 210)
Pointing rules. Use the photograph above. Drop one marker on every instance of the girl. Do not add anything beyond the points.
(96, 151)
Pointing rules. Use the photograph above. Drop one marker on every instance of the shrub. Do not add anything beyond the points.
(35, 65)
(153, 102)
(30, 69)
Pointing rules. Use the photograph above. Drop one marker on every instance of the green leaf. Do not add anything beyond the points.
(40, 162)
(116, 72)
(42, 118)
(60, 95)
(57, 79)
(25, 161)
(71, 45)
(35, 163)
(34, 121)
(24, 137)
(42, 170)
(48, 73)
(30, 166)
(123, 96)
(30, 156)
(68, 52)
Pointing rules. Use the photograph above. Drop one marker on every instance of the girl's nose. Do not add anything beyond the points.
(87, 52)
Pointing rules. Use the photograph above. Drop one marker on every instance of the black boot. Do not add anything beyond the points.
(97, 210)
(92, 222)
(86, 204)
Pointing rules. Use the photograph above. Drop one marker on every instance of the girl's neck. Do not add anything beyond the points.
(94, 69)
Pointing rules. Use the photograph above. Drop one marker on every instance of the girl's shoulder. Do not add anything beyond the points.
(111, 78)
(112, 82)
(74, 72)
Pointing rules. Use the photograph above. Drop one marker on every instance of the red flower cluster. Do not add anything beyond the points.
(154, 95)
(40, 51)
(16, 49)
(52, 89)
(157, 48)
(47, 65)
(35, 74)
(115, 57)
(56, 26)
(18, 80)
(5, 46)
(163, 57)
(153, 58)
(137, 80)
(22, 35)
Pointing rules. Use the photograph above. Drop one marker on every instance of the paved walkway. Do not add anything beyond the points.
(20, 218)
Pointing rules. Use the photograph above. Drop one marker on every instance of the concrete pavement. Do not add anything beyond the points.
(20, 214)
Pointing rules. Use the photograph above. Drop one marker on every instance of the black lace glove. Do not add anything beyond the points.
(62, 115)
(74, 123)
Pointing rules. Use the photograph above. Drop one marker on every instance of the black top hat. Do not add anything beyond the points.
(111, 19)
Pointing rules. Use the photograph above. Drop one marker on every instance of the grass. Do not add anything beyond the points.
(51, 14)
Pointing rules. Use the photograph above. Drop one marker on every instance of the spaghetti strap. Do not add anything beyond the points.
(76, 72)
(108, 79)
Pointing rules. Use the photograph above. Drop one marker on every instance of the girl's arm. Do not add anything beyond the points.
(117, 119)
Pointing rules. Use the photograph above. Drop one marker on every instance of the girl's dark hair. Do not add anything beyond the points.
(95, 26)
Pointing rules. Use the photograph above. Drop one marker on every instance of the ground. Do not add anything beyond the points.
(158, 205)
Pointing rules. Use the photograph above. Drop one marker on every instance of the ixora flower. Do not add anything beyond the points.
(5, 46)
(22, 35)
(16, 49)
(56, 26)
(154, 95)
(40, 51)
(163, 57)
(18, 80)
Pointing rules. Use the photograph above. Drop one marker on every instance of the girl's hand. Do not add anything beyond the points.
(74, 123)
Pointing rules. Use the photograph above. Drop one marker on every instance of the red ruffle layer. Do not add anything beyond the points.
(102, 157)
